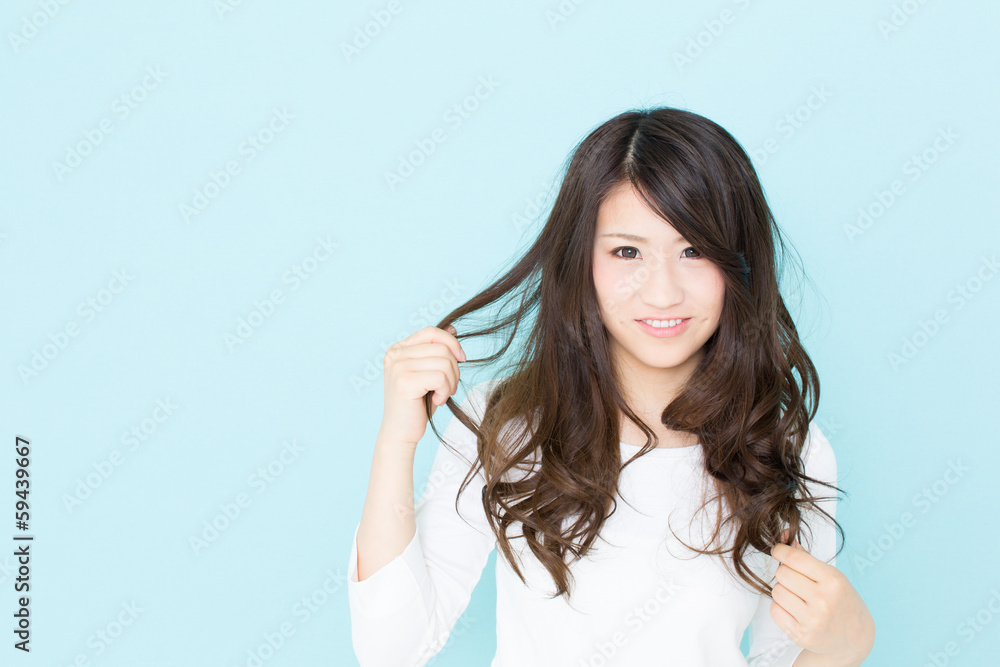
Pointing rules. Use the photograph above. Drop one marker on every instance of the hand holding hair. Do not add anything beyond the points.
(818, 608)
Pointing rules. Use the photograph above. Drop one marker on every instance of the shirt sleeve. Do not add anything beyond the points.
(402, 614)
(769, 646)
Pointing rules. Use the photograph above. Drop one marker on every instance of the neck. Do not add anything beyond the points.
(651, 389)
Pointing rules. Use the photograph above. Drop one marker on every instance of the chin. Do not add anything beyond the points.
(662, 360)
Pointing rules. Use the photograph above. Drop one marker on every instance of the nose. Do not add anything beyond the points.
(663, 286)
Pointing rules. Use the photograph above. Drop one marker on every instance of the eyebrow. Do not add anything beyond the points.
(633, 237)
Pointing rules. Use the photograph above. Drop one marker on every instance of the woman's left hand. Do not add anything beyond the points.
(818, 608)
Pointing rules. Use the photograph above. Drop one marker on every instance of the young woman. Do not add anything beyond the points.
(652, 446)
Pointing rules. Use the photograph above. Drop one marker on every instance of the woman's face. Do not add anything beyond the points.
(644, 270)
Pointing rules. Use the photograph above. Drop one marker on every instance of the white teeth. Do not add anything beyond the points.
(662, 324)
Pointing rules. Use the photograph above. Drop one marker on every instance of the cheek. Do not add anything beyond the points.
(604, 282)
(608, 283)
(715, 292)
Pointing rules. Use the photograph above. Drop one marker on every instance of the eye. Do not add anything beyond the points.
(624, 247)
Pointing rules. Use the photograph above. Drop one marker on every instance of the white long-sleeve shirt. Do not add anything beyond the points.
(640, 598)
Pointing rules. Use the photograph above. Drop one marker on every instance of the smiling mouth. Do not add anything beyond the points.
(665, 323)
(659, 328)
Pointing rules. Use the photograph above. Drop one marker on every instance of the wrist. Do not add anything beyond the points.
(386, 440)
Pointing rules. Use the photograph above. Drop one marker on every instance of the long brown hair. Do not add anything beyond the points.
(744, 402)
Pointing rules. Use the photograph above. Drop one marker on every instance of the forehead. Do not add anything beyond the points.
(626, 215)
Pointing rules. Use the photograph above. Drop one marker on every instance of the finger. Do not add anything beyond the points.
(782, 540)
(785, 621)
(796, 582)
(431, 383)
(789, 601)
(434, 385)
(451, 333)
(431, 351)
(454, 333)
(434, 335)
(800, 560)
(445, 383)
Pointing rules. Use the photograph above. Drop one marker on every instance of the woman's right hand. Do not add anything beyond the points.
(425, 361)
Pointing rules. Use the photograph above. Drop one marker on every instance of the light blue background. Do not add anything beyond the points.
(404, 256)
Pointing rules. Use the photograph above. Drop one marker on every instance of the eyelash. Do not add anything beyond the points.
(615, 252)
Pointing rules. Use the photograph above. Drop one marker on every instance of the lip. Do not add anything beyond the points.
(664, 332)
